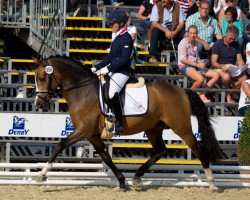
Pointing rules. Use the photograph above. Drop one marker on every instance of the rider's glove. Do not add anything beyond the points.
(93, 69)
(104, 70)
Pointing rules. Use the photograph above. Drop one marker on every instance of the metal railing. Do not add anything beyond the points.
(47, 23)
(14, 13)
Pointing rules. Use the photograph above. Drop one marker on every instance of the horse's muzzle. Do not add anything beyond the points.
(42, 102)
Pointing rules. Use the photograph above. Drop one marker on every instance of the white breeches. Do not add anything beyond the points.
(117, 81)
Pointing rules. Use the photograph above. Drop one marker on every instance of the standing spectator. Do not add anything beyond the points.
(227, 51)
(144, 14)
(190, 64)
(230, 19)
(207, 28)
(167, 19)
(244, 102)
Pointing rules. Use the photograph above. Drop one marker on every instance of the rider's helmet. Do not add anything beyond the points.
(117, 16)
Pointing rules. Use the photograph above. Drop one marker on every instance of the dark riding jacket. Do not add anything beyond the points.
(119, 56)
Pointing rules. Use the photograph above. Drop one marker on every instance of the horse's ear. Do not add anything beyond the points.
(36, 60)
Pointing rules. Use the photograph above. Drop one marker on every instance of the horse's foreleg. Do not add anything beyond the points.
(159, 149)
(65, 142)
(102, 150)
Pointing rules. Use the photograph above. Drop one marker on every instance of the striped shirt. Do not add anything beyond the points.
(205, 32)
(184, 4)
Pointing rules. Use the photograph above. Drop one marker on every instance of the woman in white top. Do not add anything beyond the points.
(244, 102)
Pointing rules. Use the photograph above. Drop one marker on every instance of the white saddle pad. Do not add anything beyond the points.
(136, 101)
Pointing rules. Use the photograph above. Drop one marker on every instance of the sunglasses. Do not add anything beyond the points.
(227, 1)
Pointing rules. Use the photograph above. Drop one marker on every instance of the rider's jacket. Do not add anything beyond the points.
(118, 60)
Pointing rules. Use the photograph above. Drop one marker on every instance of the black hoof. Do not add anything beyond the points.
(42, 178)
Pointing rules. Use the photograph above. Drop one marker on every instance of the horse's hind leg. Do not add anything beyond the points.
(188, 136)
(159, 149)
(65, 142)
(99, 146)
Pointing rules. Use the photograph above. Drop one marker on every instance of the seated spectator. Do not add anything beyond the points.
(194, 9)
(133, 32)
(248, 54)
(218, 5)
(114, 3)
(230, 19)
(190, 64)
(167, 19)
(240, 14)
(144, 14)
(244, 102)
(207, 28)
(227, 51)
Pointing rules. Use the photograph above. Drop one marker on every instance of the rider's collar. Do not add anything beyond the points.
(120, 32)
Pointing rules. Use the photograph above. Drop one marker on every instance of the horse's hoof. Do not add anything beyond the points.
(213, 188)
(123, 189)
(42, 178)
(136, 183)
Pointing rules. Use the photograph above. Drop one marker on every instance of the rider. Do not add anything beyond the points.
(117, 63)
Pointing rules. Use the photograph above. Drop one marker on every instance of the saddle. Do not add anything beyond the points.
(133, 100)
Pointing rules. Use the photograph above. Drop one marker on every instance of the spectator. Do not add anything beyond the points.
(240, 14)
(230, 19)
(190, 64)
(114, 3)
(144, 14)
(133, 32)
(248, 54)
(244, 102)
(184, 4)
(207, 28)
(227, 51)
(167, 19)
(194, 9)
(218, 5)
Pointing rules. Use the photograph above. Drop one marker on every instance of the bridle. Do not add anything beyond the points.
(50, 93)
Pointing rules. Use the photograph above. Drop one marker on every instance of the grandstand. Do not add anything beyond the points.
(44, 27)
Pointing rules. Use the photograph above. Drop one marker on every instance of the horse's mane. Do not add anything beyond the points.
(69, 61)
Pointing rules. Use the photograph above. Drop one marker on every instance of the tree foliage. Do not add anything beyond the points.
(244, 141)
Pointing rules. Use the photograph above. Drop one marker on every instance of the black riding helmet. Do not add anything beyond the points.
(117, 16)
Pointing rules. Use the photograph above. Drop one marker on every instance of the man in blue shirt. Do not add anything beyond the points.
(227, 51)
(167, 19)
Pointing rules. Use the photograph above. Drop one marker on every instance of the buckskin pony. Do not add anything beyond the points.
(169, 107)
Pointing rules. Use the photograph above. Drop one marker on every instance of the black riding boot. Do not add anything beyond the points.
(118, 113)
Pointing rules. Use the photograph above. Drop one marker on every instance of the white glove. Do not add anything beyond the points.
(93, 69)
(104, 70)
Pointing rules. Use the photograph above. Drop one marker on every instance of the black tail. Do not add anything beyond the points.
(208, 144)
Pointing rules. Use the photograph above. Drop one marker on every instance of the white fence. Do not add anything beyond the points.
(26, 174)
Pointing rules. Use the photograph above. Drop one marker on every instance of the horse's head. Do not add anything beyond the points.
(46, 83)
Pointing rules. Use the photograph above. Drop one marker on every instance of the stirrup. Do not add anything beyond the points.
(117, 130)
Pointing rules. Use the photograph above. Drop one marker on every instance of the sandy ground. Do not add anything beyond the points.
(107, 193)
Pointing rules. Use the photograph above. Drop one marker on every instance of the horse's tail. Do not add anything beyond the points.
(208, 144)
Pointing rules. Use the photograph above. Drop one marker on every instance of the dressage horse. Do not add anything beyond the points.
(169, 107)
